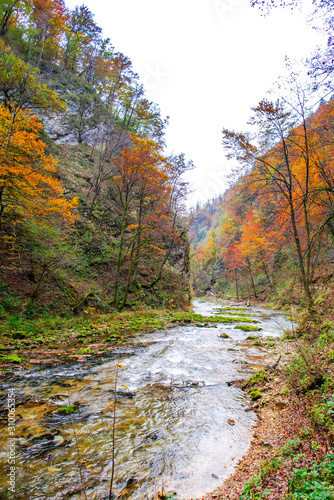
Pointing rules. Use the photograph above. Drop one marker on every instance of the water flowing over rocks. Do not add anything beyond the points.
(183, 422)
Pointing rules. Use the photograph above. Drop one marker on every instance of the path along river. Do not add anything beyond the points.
(172, 429)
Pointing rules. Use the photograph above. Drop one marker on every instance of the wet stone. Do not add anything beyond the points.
(224, 335)
(54, 418)
(281, 404)
(153, 436)
(123, 394)
(59, 397)
(39, 445)
(131, 482)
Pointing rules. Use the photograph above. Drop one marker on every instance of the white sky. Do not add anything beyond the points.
(205, 63)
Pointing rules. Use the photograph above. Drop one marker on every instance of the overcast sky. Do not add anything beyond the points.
(205, 63)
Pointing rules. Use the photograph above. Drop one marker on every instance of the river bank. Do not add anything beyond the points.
(291, 452)
(51, 340)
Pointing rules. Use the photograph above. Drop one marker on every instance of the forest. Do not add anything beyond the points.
(270, 236)
(91, 209)
(149, 350)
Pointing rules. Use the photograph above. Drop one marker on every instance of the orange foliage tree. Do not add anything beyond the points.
(141, 195)
(28, 185)
(288, 175)
(29, 189)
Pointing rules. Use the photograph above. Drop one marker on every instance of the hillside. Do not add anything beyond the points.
(271, 235)
(91, 209)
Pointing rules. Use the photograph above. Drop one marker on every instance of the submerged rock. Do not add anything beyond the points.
(37, 446)
(224, 335)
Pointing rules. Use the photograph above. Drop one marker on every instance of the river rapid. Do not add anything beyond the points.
(179, 426)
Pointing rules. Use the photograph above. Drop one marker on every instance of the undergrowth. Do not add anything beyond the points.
(305, 462)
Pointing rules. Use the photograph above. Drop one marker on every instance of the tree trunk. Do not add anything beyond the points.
(251, 277)
(236, 283)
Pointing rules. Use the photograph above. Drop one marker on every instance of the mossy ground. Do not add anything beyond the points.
(53, 338)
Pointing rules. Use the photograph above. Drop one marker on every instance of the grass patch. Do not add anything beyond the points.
(189, 317)
(78, 332)
(248, 328)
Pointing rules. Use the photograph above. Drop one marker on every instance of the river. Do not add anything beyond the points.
(179, 426)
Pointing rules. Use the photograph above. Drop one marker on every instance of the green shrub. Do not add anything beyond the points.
(252, 490)
(306, 370)
(267, 467)
(323, 411)
(315, 482)
(10, 301)
(2, 312)
(291, 446)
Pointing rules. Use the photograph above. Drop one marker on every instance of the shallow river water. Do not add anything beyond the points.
(173, 407)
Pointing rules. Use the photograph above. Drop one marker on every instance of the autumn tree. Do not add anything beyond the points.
(273, 170)
(30, 193)
(9, 13)
(140, 196)
(28, 186)
(322, 127)
(48, 20)
(234, 264)
(19, 91)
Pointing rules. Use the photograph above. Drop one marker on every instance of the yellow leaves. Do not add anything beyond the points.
(119, 366)
(30, 188)
(75, 201)
(19, 87)
(53, 469)
(161, 250)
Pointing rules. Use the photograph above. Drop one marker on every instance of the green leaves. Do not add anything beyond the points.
(315, 482)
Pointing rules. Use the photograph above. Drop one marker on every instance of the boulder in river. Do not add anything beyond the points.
(224, 335)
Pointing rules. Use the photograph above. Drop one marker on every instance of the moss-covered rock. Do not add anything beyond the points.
(248, 328)
(255, 394)
(259, 377)
(224, 335)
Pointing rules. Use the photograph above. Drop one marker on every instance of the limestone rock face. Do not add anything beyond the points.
(59, 130)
